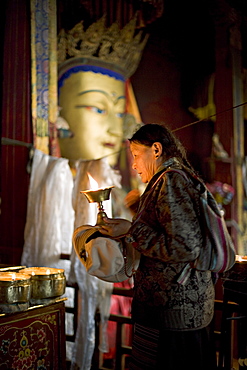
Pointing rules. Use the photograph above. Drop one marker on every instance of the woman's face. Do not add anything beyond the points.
(93, 105)
(145, 161)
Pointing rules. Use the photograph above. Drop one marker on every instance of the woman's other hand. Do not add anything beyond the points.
(131, 200)
(114, 226)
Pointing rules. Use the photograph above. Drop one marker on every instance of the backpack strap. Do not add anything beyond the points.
(181, 172)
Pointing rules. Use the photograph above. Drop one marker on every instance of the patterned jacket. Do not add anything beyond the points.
(166, 231)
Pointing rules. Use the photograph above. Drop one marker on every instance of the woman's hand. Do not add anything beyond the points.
(114, 227)
(131, 200)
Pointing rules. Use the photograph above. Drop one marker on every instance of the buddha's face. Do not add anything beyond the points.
(93, 105)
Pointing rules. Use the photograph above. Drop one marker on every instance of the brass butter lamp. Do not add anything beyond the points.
(98, 196)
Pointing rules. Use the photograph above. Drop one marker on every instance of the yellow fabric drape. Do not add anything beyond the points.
(132, 106)
(204, 106)
(245, 92)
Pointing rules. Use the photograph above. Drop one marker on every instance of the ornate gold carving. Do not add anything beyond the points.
(120, 47)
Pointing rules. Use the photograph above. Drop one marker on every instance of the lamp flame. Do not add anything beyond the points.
(13, 276)
(240, 258)
(93, 183)
(48, 272)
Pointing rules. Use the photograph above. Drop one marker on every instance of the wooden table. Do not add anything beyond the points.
(34, 338)
(235, 291)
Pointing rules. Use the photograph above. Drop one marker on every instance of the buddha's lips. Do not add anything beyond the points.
(109, 145)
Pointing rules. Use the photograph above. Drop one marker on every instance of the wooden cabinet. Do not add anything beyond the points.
(34, 339)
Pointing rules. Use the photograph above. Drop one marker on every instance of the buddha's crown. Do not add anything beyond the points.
(122, 48)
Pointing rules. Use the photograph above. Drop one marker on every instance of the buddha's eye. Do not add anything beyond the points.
(97, 110)
(92, 109)
(120, 115)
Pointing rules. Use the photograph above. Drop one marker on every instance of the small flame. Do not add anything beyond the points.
(33, 273)
(93, 184)
(13, 276)
(48, 272)
(240, 258)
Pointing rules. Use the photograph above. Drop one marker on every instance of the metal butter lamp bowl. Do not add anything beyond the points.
(47, 282)
(98, 196)
(14, 288)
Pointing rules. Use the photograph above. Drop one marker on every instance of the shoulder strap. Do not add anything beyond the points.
(160, 176)
(170, 170)
(178, 171)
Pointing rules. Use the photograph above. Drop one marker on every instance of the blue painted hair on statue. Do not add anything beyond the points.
(88, 68)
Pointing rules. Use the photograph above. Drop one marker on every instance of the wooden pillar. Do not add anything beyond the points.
(16, 128)
(229, 123)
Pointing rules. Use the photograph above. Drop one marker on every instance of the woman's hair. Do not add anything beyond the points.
(172, 147)
(155, 132)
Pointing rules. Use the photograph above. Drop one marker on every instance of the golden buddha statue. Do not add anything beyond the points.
(93, 68)
(93, 104)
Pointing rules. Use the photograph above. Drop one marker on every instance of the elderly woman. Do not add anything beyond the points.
(171, 319)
